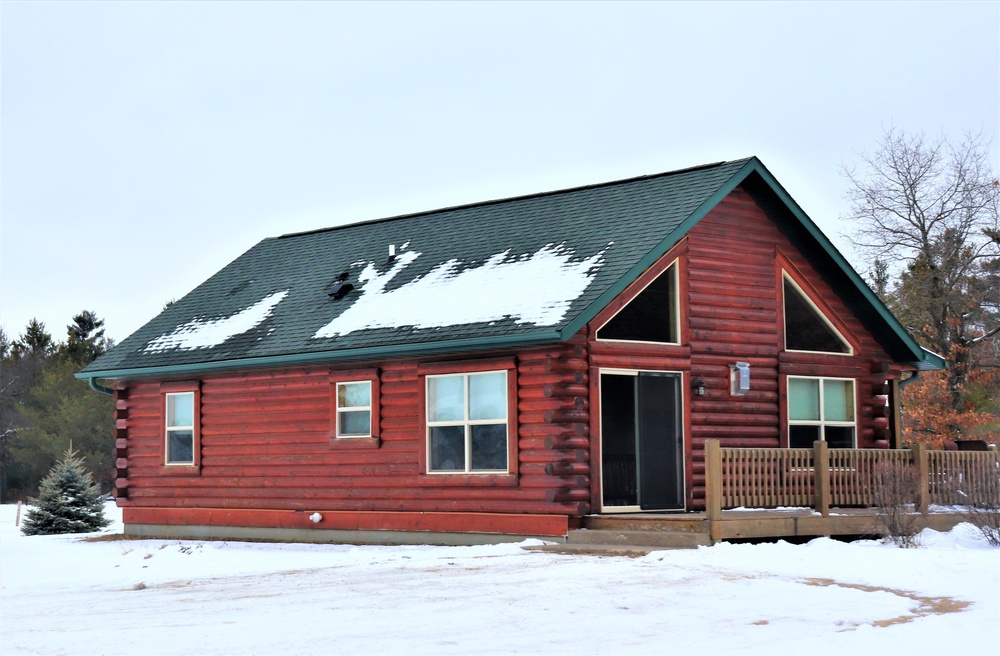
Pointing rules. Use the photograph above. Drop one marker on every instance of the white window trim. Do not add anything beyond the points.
(353, 408)
(823, 423)
(819, 312)
(170, 429)
(676, 309)
(466, 423)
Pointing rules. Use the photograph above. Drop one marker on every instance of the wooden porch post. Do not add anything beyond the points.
(713, 480)
(821, 466)
(920, 461)
(896, 430)
(713, 488)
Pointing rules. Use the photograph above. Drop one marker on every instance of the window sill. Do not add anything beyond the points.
(467, 480)
(353, 443)
(180, 470)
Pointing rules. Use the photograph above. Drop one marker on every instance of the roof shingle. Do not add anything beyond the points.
(271, 303)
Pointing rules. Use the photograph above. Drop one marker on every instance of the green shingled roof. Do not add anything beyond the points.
(270, 305)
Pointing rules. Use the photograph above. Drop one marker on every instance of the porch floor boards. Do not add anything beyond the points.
(636, 533)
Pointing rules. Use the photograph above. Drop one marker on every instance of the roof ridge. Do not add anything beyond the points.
(497, 201)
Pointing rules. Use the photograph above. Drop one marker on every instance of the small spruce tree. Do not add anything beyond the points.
(68, 501)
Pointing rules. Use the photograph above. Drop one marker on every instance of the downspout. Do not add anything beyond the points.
(99, 388)
(898, 410)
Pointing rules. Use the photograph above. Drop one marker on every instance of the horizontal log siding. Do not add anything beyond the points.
(266, 444)
(554, 423)
(731, 291)
(734, 308)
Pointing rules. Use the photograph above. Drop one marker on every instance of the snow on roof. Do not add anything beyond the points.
(200, 333)
(536, 288)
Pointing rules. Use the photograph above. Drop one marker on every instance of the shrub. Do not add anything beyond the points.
(894, 488)
(982, 504)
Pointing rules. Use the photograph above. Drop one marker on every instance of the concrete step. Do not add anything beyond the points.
(672, 524)
(609, 550)
(661, 539)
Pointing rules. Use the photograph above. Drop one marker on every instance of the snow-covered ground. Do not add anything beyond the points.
(63, 595)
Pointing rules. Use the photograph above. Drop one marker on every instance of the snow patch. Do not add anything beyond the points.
(200, 333)
(536, 288)
(60, 593)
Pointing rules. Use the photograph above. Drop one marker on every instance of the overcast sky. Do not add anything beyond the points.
(145, 145)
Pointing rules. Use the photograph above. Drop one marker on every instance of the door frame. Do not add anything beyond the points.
(682, 425)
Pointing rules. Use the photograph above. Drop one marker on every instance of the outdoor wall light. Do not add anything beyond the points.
(700, 389)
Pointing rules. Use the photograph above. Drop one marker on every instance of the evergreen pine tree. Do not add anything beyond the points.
(35, 342)
(68, 501)
(84, 338)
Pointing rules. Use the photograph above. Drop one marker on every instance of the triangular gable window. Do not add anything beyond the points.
(806, 329)
(649, 317)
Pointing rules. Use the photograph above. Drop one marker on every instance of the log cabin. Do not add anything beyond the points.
(501, 369)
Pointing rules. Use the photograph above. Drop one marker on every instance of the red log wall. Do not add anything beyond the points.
(731, 310)
(266, 436)
(265, 444)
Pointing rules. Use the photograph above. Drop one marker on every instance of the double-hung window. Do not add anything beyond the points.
(180, 428)
(467, 423)
(821, 409)
(354, 409)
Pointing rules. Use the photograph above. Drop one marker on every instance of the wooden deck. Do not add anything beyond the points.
(688, 530)
(790, 493)
(734, 524)
(823, 478)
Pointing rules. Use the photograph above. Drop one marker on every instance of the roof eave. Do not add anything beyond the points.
(930, 361)
(922, 358)
(322, 357)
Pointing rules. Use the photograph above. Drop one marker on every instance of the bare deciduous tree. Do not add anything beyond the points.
(925, 211)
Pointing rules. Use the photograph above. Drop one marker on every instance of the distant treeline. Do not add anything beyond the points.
(44, 409)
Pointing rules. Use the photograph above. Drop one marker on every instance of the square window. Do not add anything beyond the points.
(447, 448)
(446, 398)
(838, 400)
(803, 399)
(839, 437)
(180, 447)
(354, 423)
(802, 437)
(821, 409)
(488, 447)
(488, 396)
(467, 423)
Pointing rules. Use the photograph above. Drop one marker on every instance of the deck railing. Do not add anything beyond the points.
(821, 477)
(957, 478)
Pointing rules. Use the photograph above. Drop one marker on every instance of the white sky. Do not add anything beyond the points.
(146, 145)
